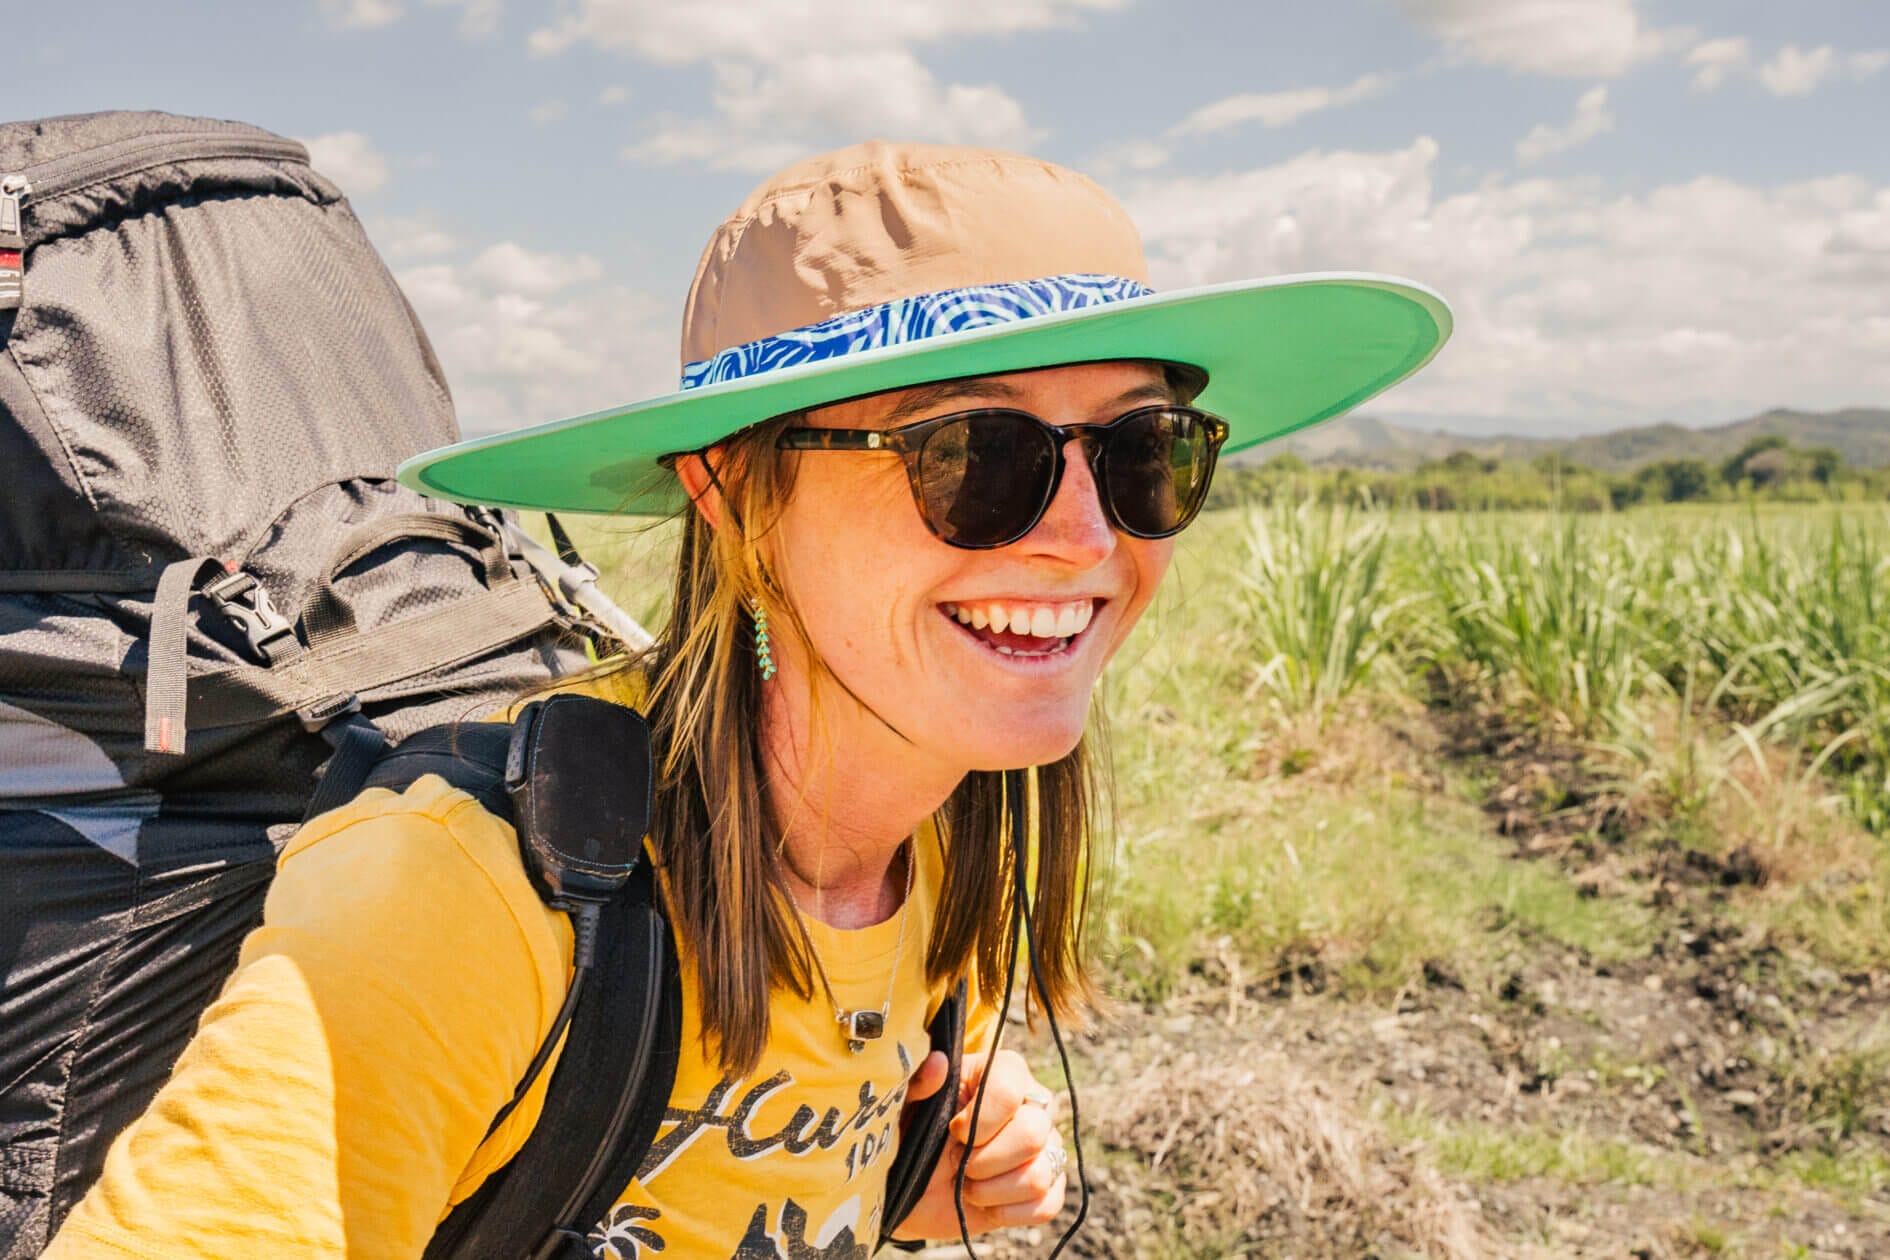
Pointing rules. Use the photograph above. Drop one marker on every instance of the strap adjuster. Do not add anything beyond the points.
(244, 600)
(318, 715)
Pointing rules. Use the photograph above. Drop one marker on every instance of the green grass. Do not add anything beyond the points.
(1363, 880)
(635, 558)
(1552, 618)
(1722, 670)
(1851, 1176)
(1730, 667)
(1317, 603)
(1482, 1152)
(1287, 817)
(1365, 887)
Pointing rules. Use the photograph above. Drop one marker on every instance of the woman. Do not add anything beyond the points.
(934, 441)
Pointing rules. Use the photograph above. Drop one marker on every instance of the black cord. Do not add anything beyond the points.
(996, 1038)
(584, 922)
(1069, 1081)
(733, 513)
(1021, 928)
(561, 540)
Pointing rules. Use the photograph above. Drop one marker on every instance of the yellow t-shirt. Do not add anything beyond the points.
(336, 1097)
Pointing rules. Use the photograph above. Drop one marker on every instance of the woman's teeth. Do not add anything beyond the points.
(1003, 624)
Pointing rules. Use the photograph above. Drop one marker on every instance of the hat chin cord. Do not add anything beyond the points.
(1021, 928)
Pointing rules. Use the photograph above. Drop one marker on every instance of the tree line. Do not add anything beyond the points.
(1767, 468)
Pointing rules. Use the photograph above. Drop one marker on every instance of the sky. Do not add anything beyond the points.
(1640, 210)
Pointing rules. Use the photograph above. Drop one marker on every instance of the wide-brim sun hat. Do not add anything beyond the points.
(884, 266)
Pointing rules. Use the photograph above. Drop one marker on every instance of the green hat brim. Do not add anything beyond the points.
(1280, 354)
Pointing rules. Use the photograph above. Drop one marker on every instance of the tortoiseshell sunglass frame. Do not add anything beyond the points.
(908, 442)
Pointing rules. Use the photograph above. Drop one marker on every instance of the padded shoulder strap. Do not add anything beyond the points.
(606, 1099)
(468, 755)
(612, 1082)
(611, 1087)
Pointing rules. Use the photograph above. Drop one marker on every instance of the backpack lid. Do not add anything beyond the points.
(205, 337)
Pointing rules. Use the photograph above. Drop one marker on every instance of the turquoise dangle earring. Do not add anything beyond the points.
(764, 656)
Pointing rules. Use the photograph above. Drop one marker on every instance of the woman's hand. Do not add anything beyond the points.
(1015, 1175)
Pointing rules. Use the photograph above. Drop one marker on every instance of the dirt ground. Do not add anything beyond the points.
(1256, 1135)
(1721, 1096)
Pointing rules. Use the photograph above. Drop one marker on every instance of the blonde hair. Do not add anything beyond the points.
(710, 823)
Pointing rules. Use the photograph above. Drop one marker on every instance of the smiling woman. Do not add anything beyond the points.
(934, 440)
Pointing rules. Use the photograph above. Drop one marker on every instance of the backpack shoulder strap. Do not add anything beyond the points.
(590, 1139)
(923, 1139)
(469, 755)
(611, 1086)
(605, 1102)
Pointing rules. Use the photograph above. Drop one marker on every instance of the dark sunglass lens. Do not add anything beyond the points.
(984, 477)
(1156, 469)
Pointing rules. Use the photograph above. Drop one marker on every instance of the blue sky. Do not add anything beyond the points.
(1641, 209)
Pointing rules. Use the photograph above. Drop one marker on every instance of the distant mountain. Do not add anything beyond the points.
(1861, 435)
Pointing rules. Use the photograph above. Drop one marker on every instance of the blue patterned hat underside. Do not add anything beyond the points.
(912, 319)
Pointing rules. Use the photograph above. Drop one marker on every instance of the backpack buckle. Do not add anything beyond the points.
(244, 600)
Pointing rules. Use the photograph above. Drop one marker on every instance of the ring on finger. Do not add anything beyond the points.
(1040, 1095)
(1059, 1160)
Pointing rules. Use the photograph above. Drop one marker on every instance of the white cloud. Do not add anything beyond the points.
(681, 31)
(510, 267)
(1698, 300)
(1798, 72)
(615, 94)
(1278, 109)
(358, 15)
(546, 112)
(1590, 120)
(350, 159)
(477, 18)
(1795, 72)
(1716, 59)
(793, 75)
(1126, 155)
(711, 143)
(526, 336)
(885, 91)
(1573, 38)
(402, 238)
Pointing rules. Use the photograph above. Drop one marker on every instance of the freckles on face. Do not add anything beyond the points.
(984, 658)
(851, 549)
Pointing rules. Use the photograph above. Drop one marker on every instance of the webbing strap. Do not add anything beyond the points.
(77, 581)
(359, 746)
(437, 639)
(166, 691)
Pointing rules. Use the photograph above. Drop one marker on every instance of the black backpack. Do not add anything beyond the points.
(217, 610)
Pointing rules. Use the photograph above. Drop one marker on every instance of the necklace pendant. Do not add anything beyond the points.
(862, 1027)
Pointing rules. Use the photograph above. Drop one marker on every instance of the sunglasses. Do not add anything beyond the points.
(985, 478)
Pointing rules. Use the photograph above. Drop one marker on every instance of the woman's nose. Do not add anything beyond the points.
(1074, 527)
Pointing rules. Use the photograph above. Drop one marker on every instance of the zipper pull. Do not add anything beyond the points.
(13, 189)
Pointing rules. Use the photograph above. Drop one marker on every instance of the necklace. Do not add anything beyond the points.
(864, 1025)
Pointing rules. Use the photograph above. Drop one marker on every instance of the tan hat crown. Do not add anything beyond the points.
(876, 222)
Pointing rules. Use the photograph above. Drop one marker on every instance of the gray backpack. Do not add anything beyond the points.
(207, 378)
(219, 614)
